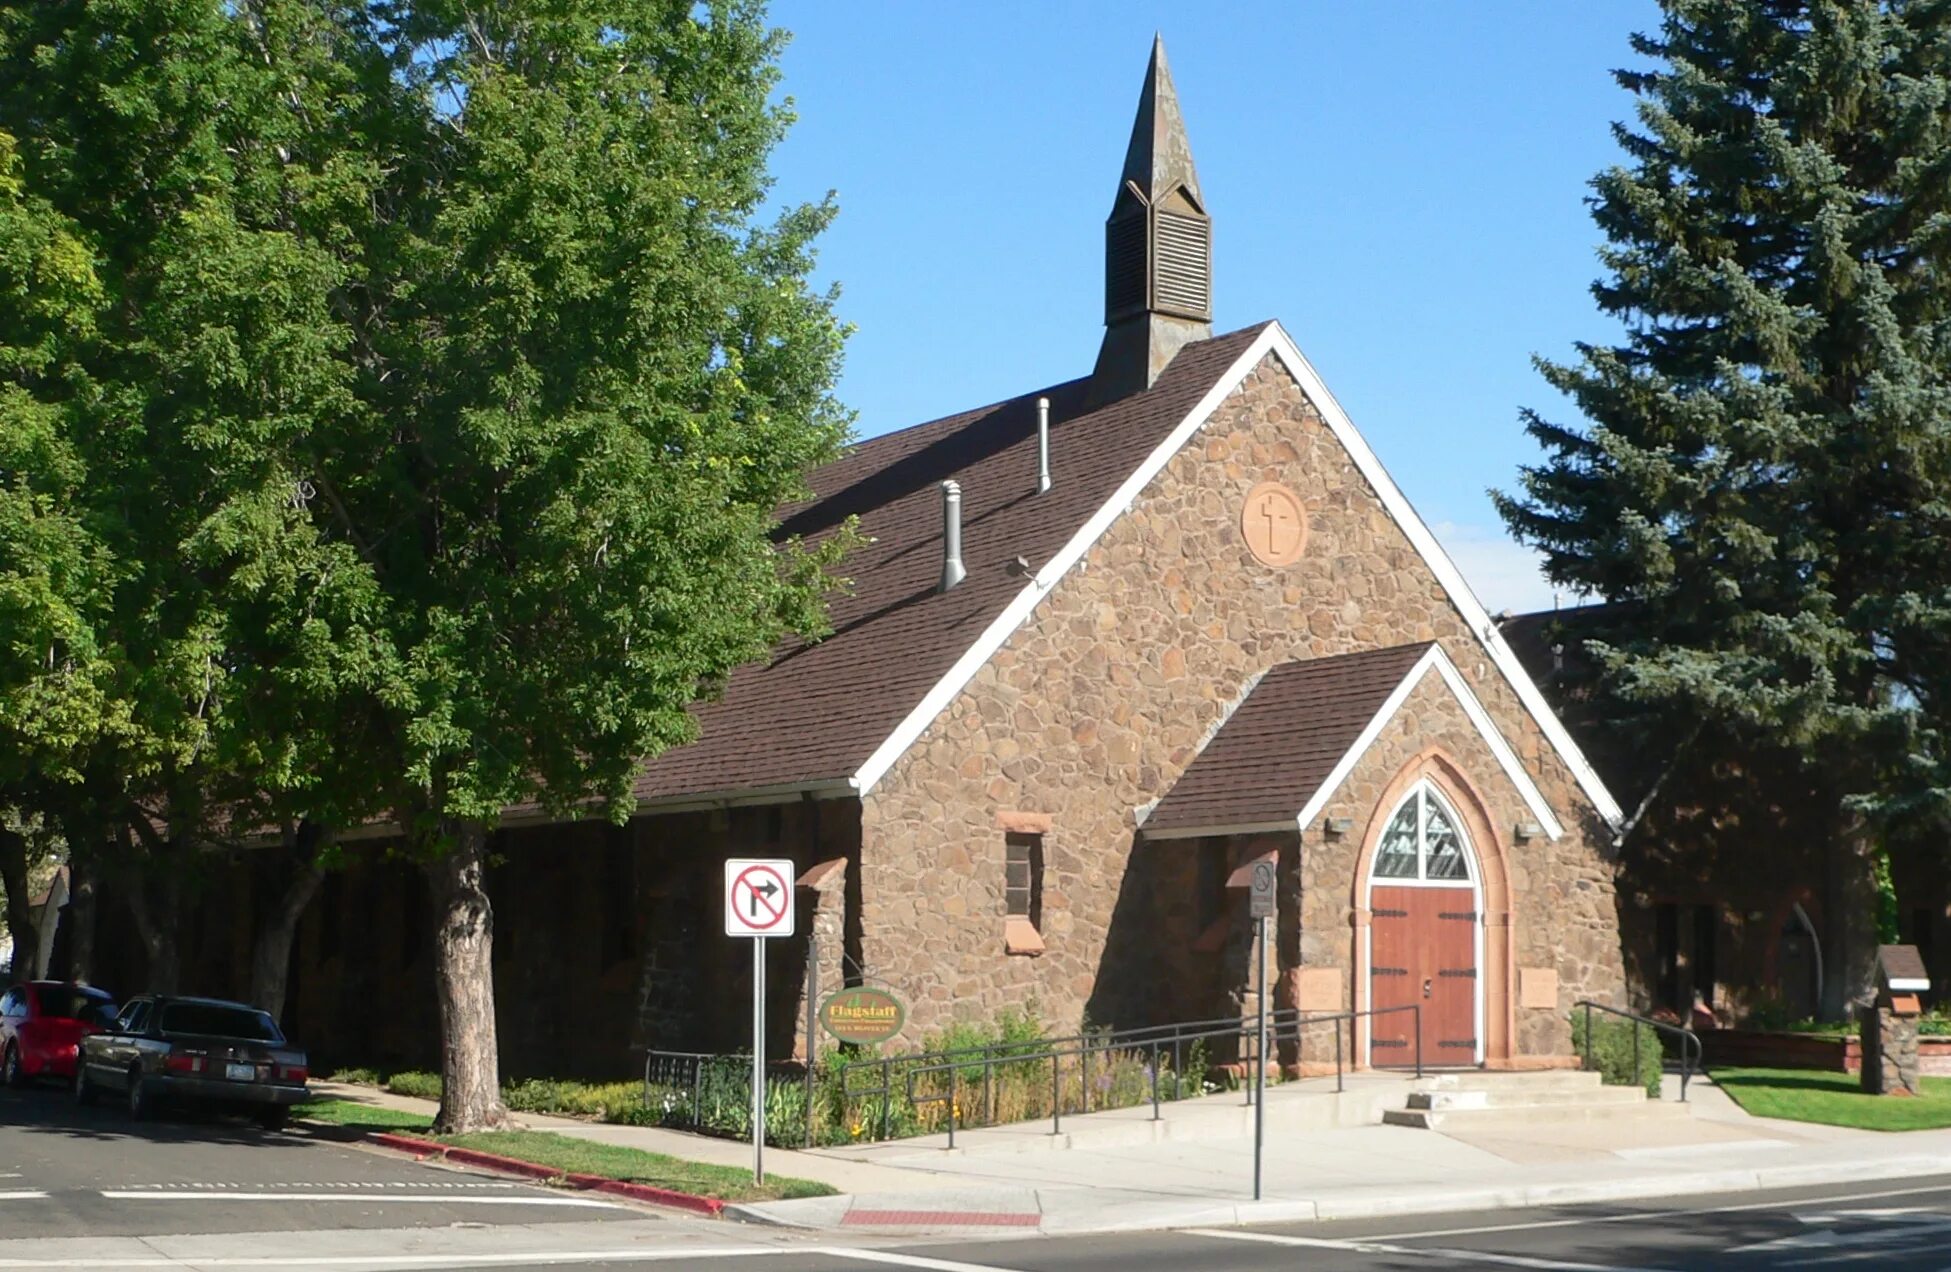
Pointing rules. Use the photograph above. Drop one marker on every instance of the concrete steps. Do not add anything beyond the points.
(1507, 1101)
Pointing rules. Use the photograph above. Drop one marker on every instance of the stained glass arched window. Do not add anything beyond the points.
(1423, 841)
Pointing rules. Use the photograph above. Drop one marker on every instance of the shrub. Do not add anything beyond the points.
(423, 1086)
(574, 1099)
(358, 1077)
(1611, 1050)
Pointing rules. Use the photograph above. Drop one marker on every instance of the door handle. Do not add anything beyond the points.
(1427, 983)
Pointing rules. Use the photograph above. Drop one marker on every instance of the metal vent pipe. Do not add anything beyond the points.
(1042, 445)
(952, 571)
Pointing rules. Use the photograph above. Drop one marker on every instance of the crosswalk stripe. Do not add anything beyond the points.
(132, 1194)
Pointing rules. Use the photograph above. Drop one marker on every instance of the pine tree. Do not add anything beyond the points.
(1767, 460)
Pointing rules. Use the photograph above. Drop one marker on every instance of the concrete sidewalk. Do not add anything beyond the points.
(1327, 1157)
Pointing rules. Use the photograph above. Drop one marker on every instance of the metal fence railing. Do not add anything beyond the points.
(866, 1096)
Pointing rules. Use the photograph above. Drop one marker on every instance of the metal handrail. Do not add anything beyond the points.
(1282, 1026)
(1690, 1048)
(1081, 1047)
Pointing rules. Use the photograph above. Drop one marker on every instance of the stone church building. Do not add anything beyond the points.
(1108, 643)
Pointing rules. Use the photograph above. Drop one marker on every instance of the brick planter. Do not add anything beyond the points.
(1751, 1048)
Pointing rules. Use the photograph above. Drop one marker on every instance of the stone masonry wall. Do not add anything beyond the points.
(1097, 704)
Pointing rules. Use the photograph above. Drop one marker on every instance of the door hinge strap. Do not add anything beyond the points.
(1459, 971)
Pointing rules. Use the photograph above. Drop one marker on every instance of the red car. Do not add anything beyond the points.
(41, 1027)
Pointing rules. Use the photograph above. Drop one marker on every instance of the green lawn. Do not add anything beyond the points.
(728, 1183)
(361, 1117)
(1835, 1099)
(570, 1155)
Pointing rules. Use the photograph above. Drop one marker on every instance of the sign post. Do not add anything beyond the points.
(1260, 904)
(758, 904)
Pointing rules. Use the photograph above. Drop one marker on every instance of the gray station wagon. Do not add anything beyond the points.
(194, 1050)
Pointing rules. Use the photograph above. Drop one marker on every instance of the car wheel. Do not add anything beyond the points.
(274, 1118)
(11, 1072)
(84, 1089)
(139, 1101)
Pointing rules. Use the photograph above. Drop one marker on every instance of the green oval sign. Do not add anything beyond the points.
(862, 1015)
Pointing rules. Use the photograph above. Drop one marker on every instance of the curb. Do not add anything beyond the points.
(424, 1149)
(1216, 1212)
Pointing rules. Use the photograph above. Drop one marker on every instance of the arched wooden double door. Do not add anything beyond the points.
(1425, 937)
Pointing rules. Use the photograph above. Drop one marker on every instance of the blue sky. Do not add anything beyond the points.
(1401, 184)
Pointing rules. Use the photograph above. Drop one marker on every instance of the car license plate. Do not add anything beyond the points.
(240, 1072)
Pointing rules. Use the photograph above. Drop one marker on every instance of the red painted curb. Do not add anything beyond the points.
(646, 1192)
(592, 1183)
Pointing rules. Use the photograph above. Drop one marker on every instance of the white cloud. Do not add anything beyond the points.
(1504, 574)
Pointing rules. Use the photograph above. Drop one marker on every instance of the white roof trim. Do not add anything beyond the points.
(1046, 579)
(1909, 982)
(1473, 709)
(1273, 339)
(1474, 615)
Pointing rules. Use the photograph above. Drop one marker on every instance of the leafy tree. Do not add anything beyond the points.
(56, 693)
(590, 374)
(445, 382)
(1766, 468)
(201, 152)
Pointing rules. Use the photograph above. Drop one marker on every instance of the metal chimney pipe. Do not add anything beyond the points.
(1042, 445)
(952, 571)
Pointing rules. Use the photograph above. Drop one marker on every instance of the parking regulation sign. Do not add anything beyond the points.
(758, 897)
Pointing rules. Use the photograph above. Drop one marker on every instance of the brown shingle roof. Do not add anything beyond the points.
(816, 712)
(1271, 756)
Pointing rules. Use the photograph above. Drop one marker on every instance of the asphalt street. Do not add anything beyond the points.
(88, 1188)
(68, 1171)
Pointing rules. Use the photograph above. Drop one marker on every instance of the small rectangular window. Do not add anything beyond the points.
(1706, 962)
(1214, 867)
(620, 896)
(1023, 877)
(1666, 943)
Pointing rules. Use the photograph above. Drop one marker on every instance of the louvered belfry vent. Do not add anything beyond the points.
(1183, 279)
(1158, 249)
(1124, 264)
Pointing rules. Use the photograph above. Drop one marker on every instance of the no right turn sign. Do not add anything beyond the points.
(758, 897)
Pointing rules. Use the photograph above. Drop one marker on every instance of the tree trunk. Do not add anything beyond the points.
(81, 917)
(470, 1066)
(20, 914)
(1849, 905)
(156, 920)
(271, 953)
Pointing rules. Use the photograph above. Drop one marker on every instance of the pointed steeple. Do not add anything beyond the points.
(1158, 159)
(1158, 247)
